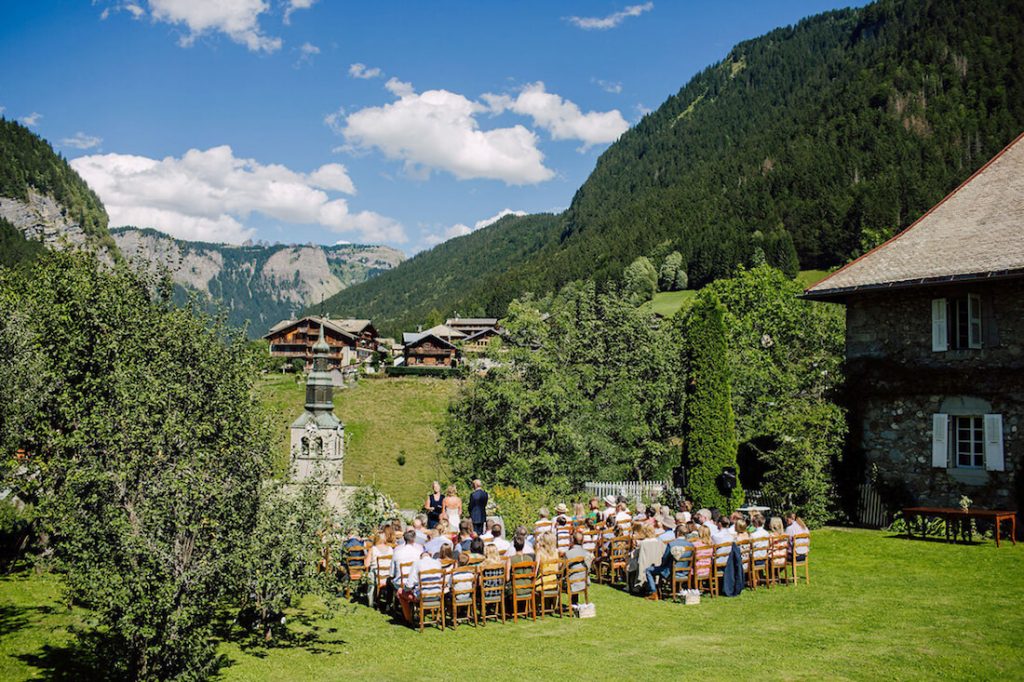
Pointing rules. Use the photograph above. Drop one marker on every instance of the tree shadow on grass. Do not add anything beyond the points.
(301, 631)
(87, 656)
(936, 539)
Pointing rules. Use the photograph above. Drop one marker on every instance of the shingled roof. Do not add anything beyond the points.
(976, 232)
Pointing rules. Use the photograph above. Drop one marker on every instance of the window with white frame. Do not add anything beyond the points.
(968, 442)
(956, 322)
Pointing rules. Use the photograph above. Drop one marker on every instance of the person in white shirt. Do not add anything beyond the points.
(622, 514)
(795, 526)
(409, 552)
(759, 536)
(722, 535)
(436, 542)
(668, 529)
(704, 517)
(609, 507)
(503, 545)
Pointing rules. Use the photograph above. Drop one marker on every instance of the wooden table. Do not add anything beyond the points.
(957, 515)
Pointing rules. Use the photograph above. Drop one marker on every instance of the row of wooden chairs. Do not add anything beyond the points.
(476, 592)
(767, 561)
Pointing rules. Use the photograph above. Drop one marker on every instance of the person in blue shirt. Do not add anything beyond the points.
(664, 569)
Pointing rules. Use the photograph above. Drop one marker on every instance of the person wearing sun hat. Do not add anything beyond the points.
(561, 514)
(609, 507)
(668, 525)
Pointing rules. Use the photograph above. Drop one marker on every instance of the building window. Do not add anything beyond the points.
(968, 442)
(956, 322)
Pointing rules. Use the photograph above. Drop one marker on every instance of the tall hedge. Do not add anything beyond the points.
(709, 428)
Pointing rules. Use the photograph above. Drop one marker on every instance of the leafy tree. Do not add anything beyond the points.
(640, 279)
(152, 452)
(709, 426)
(672, 275)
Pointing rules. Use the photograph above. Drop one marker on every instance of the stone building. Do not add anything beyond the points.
(317, 436)
(935, 347)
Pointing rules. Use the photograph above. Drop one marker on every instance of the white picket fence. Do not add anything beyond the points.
(634, 491)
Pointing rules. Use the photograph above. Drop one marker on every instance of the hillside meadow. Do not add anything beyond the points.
(384, 419)
(878, 606)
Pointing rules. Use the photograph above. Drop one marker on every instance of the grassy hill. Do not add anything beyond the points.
(668, 303)
(383, 418)
(878, 607)
(828, 135)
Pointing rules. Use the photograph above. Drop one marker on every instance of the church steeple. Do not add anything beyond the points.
(319, 387)
(317, 436)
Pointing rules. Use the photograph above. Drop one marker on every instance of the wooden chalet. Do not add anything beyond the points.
(349, 341)
(428, 349)
(935, 347)
(480, 341)
(471, 325)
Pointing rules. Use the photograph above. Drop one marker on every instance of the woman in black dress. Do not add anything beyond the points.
(433, 505)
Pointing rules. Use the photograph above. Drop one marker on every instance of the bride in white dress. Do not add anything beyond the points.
(452, 506)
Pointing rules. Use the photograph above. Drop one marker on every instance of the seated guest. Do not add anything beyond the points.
(561, 515)
(740, 528)
(734, 518)
(436, 542)
(578, 551)
(446, 553)
(668, 526)
(610, 529)
(622, 515)
(391, 537)
(579, 514)
(527, 539)
(407, 552)
(609, 507)
(475, 554)
(465, 534)
(794, 524)
(775, 526)
(594, 509)
(378, 549)
(663, 569)
(519, 553)
(410, 591)
(493, 559)
(547, 563)
(721, 534)
(543, 524)
(641, 512)
(648, 552)
(693, 530)
(419, 525)
(501, 543)
(704, 517)
(759, 536)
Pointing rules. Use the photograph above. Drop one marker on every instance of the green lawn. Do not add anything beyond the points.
(878, 607)
(808, 278)
(668, 303)
(383, 419)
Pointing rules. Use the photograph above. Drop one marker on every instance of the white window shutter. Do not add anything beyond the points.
(994, 442)
(974, 321)
(940, 440)
(940, 337)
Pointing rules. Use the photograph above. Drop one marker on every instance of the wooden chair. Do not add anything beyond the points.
(403, 572)
(380, 582)
(618, 559)
(563, 540)
(492, 592)
(577, 580)
(703, 568)
(541, 527)
(682, 574)
(355, 566)
(431, 596)
(721, 558)
(523, 589)
(462, 594)
(759, 561)
(778, 559)
(549, 587)
(800, 556)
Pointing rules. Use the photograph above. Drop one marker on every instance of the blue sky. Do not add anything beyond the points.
(235, 119)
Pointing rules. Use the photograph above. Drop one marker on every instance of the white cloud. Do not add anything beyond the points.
(238, 19)
(306, 53)
(560, 117)
(614, 87)
(642, 110)
(207, 195)
(460, 229)
(437, 129)
(359, 70)
(612, 20)
(32, 119)
(81, 141)
(294, 5)
(132, 8)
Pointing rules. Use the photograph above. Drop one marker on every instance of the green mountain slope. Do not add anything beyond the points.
(833, 133)
(43, 197)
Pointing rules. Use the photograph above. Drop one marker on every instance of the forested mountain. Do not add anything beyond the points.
(44, 198)
(261, 283)
(833, 133)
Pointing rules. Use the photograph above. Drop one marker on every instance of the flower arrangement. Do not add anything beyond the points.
(965, 502)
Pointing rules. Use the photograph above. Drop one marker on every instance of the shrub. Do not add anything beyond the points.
(420, 371)
(367, 511)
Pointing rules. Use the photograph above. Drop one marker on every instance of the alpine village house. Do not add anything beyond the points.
(935, 347)
(348, 341)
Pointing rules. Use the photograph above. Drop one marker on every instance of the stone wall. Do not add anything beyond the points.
(896, 382)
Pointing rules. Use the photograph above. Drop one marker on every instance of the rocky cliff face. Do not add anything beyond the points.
(41, 218)
(259, 284)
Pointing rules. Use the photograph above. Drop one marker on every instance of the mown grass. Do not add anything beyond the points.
(384, 418)
(668, 303)
(878, 607)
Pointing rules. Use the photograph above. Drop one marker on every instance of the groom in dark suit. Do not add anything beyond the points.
(478, 506)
